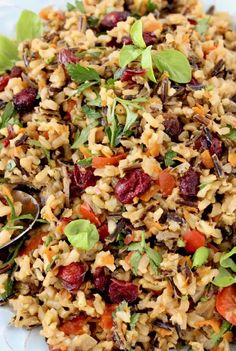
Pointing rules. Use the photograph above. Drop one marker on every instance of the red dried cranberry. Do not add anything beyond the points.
(11, 135)
(111, 19)
(3, 82)
(81, 178)
(189, 183)
(103, 232)
(192, 21)
(215, 146)
(120, 290)
(72, 276)
(149, 38)
(126, 40)
(16, 72)
(135, 183)
(173, 128)
(25, 100)
(66, 56)
(129, 73)
(101, 279)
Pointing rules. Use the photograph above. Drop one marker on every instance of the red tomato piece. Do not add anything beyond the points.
(74, 326)
(193, 240)
(87, 213)
(226, 303)
(167, 183)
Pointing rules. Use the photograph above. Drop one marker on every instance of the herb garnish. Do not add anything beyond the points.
(78, 6)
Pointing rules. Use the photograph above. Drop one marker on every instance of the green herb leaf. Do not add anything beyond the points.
(51, 264)
(29, 26)
(227, 260)
(8, 287)
(88, 53)
(224, 278)
(92, 21)
(232, 134)
(96, 102)
(168, 158)
(78, 6)
(134, 261)
(90, 112)
(48, 240)
(154, 257)
(10, 165)
(151, 7)
(11, 205)
(85, 86)
(133, 320)
(13, 252)
(136, 33)
(180, 243)
(82, 137)
(200, 256)
(82, 74)
(82, 234)
(146, 63)
(86, 162)
(216, 337)
(128, 54)
(8, 54)
(175, 64)
(36, 143)
(202, 25)
(7, 114)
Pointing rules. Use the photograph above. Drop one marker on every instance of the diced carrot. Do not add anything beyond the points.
(33, 243)
(207, 159)
(213, 323)
(129, 239)
(164, 332)
(232, 159)
(153, 226)
(74, 326)
(87, 213)
(44, 13)
(228, 336)
(128, 257)
(154, 150)
(46, 134)
(100, 162)
(106, 319)
(151, 26)
(108, 259)
(49, 253)
(198, 109)
(150, 193)
(167, 183)
(85, 151)
(208, 49)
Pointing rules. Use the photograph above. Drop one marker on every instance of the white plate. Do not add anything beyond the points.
(12, 339)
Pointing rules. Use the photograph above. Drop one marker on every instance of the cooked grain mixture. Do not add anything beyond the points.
(120, 118)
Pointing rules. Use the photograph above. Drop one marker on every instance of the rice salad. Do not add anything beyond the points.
(120, 118)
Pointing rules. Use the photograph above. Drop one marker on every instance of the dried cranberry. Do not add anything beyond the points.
(3, 82)
(129, 73)
(72, 276)
(81, 178)
(173, 127)
(135, 183)
(120, 290)
(111, 19)
(101, 279)
(103, 232)
(189, 183)
(11, 135)
(25, 101)
(214, 146)
(149, 38)
(126, 40)
(67, 56)
(16, 72)
(192, 21)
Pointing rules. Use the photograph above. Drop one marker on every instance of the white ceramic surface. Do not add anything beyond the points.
(12, 339)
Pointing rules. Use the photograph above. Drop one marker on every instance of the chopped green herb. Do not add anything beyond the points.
(97, 102)
(180, 243)
(216, 337)
(82, 74)
(10, 165)
(78, 6)
(133, 320)
(110, 83)
(134, 261)
(232, 134)
(50, 60)
(51, 264)
(48, 240)
(86, 162)
(29, 26)
(11, 205)
(146, 63)
(151, 7)
(210, 87)
(169, 158)
(8, 113)
(90, 112)
(84, 86)
(13, 252)
(227, 260)
(200, 256)
(92, 21)
(202, 25)
(82, 234)
(82, 136)
(89, 53)
(118, 73)
(175, 64)
(128, 53)
(136, 33)
(8, 287)
(46, 152)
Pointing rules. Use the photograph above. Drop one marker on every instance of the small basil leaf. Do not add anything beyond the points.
(134, 261)
(168, 158)
(224, 278)
(86, 162)
(29, 26)
(128, 54)
(133, 320)
(154, 256)
(146, 63)
(232, 134)
(136, 33)
(175, 64)
(78, 6)
(227, 260)
(200, 256)
(202, 25)
(82, 137)
(8, 54)
(82, 74)
(82, 234)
